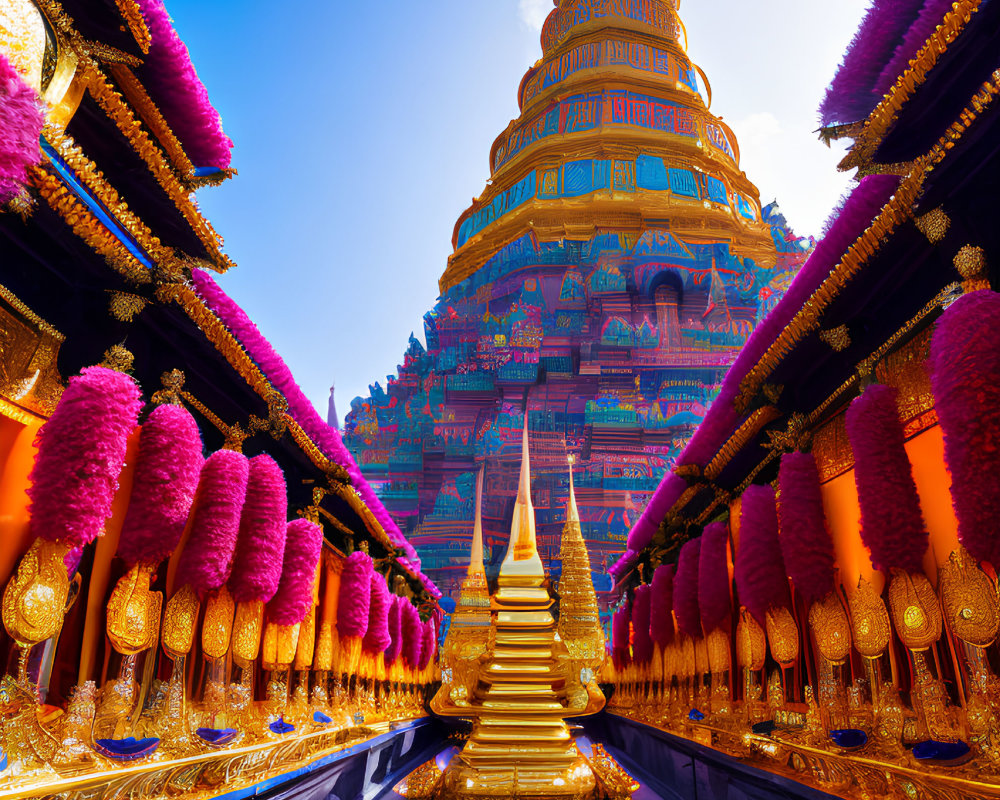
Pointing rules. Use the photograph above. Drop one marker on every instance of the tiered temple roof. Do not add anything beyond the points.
(602, 283)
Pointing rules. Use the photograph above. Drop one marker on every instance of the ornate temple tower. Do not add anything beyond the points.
(604, 280)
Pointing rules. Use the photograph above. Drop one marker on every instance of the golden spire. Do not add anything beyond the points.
(522, 565)
(476, 556)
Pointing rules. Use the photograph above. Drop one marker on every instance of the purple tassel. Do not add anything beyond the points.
(892, 526)
(686, 589)
(714, 603)
(642, 643)
(377, 637)
(806, 546)
(760, 572)
(965, 373)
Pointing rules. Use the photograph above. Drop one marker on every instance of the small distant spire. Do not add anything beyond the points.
(476, 557)
(331, 410)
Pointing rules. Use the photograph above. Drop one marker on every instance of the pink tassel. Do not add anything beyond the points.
(294, 597)
(395, 647)
(81, 452)
(621, 652)
(377, 636)
(354, 600)
(263, 525)
(661, 605)
(413, 638)
(642, 643)
(166, 478)
(207, 559)
(429, 645)
(21, 123)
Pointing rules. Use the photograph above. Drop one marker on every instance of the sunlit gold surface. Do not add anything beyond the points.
(180, 619)
(217, 627)
(970, 600)
(916, 614)
(869, 620)
(831, 628)
(34, 601)
(134, 612)
(247, 629)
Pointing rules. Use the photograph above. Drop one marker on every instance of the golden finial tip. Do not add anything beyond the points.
(571, 459)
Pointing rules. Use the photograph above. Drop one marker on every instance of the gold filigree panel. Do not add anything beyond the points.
(29, 377)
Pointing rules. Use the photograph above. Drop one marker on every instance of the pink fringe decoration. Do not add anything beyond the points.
(263, 525)
(661, 605)
(806, 546)
(892, 526)
(760, 572)
(642, 644)
(81, 452)
(377, 636)
(174, 85)
(301, 410)
(207, 559)
(166, 477)
(714, 603)
(686, 589)
(354, 600)
(621, 652)
(965, 373)
(428, 645)
(294, 597)
(392, 652)
(413, 634)
(863, 205)
(21, 122)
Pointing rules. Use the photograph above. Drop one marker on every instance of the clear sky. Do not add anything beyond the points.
(363, 130)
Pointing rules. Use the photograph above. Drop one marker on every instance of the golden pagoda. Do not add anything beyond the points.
(520, 681)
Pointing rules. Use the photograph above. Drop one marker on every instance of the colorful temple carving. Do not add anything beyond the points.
(603, 282)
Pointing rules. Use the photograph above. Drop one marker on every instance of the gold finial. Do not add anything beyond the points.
(522, 562)
(119, 358)
(572, 514)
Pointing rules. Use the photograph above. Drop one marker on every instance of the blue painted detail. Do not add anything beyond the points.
(650, 173)
(744, 207)
(322, 718)
(716, 190)
(578, 178)
(129, 749)
(3, 760)
(696, 715)
(506, 201)
(216, 736)
(205, 172)
(941, 752)
(849, 738)
(682, 182)
(95, 206)
(280, 726)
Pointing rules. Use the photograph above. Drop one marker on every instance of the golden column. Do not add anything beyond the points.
(525, 685)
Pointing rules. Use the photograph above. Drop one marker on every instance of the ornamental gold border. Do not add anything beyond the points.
(87, 227)
(136, 23)
(92, 177)
(114, 105)
(887, 111)
(135, 93)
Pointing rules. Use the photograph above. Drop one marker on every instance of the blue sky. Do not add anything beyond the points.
(363, 130)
